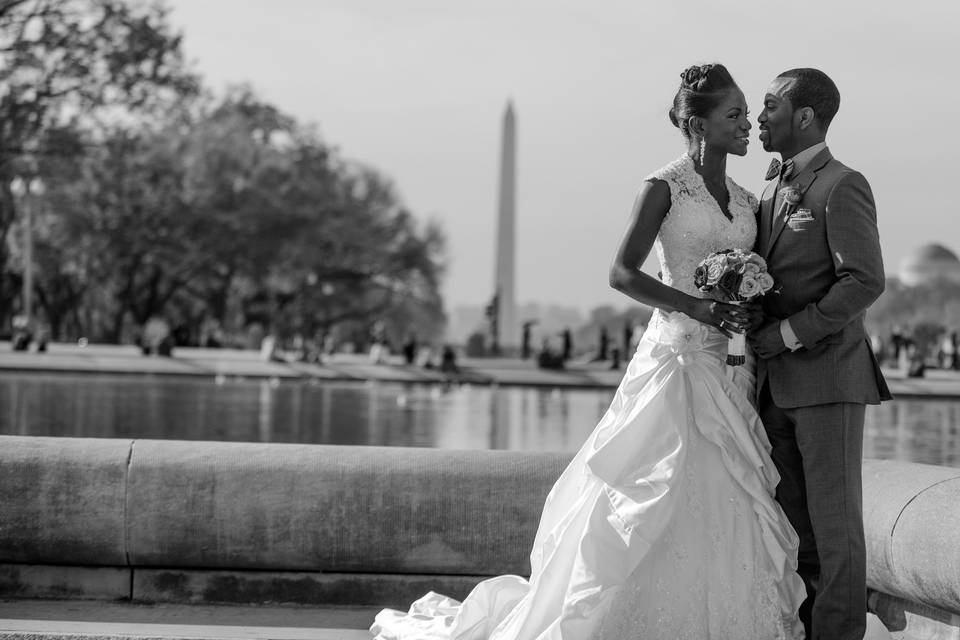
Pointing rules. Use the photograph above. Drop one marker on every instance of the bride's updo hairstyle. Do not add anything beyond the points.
(702, 89)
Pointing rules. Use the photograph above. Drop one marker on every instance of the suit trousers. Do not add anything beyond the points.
(818, 452)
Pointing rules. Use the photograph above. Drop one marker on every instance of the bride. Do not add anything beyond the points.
(664, 524)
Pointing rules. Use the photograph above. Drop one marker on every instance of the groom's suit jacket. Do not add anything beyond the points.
(826, 262)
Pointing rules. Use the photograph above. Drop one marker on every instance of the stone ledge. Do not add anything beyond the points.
(62, 500)
(51, 581)
(344, 509)
(290, 587)
(275, 507)
(199, 587)
(912, 528)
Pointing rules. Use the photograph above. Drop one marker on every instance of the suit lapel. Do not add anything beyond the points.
(802, 182)
(767, 199)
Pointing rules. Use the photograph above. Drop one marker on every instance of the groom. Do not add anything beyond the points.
(817, 229)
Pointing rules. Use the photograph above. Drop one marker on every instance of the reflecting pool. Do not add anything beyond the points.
(388, 414)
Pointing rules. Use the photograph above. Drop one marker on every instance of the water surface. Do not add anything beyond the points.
(388, 414)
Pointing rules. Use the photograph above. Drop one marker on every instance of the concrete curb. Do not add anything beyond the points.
(89, 619)
(71, 630)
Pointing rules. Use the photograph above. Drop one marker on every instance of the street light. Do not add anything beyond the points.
(24, 189)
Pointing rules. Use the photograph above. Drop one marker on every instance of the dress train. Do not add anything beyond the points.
(663, 525)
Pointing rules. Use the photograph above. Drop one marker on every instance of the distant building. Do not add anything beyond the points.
(929, 264)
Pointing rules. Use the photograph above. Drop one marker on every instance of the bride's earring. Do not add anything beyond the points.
(703, 149)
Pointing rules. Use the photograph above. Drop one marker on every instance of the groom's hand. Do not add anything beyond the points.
(754, 317)
(767, 341)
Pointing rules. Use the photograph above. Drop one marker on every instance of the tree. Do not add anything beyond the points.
(170, 217)
(69, 65)
(126, 213)
(253, 178)
(62, 274)
(230, 211)
(365, 259)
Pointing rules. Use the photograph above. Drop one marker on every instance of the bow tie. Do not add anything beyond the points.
(775, 170)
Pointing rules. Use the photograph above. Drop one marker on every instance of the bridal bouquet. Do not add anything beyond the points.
(736, 276)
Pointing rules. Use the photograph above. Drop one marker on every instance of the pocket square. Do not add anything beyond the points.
(800, 215)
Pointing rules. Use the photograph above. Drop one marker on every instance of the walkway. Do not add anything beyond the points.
(69, 619)
(127, 359)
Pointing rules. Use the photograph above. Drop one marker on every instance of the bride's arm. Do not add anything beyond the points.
(649, 210)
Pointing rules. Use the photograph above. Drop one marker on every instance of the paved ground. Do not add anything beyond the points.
(244, 363)
(36, 619)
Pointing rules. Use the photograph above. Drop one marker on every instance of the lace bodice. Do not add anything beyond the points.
(695, 226)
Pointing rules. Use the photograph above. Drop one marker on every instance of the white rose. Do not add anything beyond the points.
(757, 260)
(749, 286)
(750, 269)
(792, 196)
(714, 271)
(766, 281)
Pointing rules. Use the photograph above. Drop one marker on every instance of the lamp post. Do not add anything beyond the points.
(24, 190)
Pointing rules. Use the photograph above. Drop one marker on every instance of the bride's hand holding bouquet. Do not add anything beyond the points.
(735, 277)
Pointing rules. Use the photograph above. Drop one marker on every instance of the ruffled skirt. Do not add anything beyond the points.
(664, 524)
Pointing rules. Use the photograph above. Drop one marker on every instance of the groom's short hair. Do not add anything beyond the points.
(813, 88)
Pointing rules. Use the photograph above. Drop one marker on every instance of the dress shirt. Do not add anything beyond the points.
(800, 161)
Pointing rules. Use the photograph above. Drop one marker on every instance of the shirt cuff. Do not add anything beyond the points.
(789, 337)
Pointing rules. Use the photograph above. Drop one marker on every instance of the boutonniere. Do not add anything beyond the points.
(792, 196)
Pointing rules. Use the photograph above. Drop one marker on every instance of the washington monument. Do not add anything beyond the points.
(504, 276)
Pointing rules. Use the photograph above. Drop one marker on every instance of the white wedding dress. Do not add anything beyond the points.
(664, 525)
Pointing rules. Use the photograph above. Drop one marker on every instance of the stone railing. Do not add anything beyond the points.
(228, 522)
(152, 520)
(911, 516)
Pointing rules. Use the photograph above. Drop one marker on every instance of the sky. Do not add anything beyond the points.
(417, 90)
